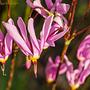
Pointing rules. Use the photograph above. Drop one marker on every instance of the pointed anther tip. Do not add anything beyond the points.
(35, 75)
(35, 69)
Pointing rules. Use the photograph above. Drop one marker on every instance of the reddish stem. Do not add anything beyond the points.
(9, 9)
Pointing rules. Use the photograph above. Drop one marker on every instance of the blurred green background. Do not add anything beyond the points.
(24, 79)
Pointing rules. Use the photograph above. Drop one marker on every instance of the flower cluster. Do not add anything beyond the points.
(75, 77)
(55, 26)
(5, 45)
(30, 45)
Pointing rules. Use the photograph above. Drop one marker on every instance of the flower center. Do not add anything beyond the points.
(34, 58)
(3, 60)
(74, 87)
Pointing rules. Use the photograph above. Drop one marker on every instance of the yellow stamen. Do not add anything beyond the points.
(50, 13)
(74, 87)
(3, 60)
(50, 80)
(34, 58)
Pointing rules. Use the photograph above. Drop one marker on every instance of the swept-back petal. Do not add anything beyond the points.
(13, 32)
(83, 51)
(29, 3)
(36, 51)
(50, 43)
(58, 1)
(62, 8)
(51, 70)
(1, 36)
(68, 64)
(49, 3)
(22, 27)
(63, 68)
(59, 21)
(10, 21)
(37, 6)
(58, 36)
(37, 3)
(84, 75)
(46, 30)
(57, 60)
(32, 33)
(8, 41)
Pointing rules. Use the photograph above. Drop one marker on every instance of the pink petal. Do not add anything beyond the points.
(63, 69)
(32, 33)
(50, 43)
(57, 60)
(13, 32)
(59, 20)
(58, 1)
(28, 64)
(22, 27)
(1, 36)
(46, 30)
(29, 3)
(84, 49)
(36, 51)
(62, 8)
(8, 44)
(58, 36)
(10, 21)
(37, 3)
(49, 3)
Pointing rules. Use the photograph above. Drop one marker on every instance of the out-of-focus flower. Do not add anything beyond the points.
(31, 46)
(83, 52)
(5, 45)
(56, 9)
(77, 77)
(52, 67)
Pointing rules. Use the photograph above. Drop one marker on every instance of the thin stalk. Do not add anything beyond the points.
(9, 11)
(9, 84)
(11, 75)
(68, 37)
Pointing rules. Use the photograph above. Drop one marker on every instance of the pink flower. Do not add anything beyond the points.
(5, 45)
(56, 9)
(77, 77)
(83, 52)
(31, 46)
(52, 67)
(53, 8)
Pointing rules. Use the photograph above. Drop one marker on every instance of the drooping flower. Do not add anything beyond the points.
(31, 46)
(52, 67)
(57, 9)
(83, 52)
(77, 77)
(5, 46)
(53, 8)
(53, 35)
